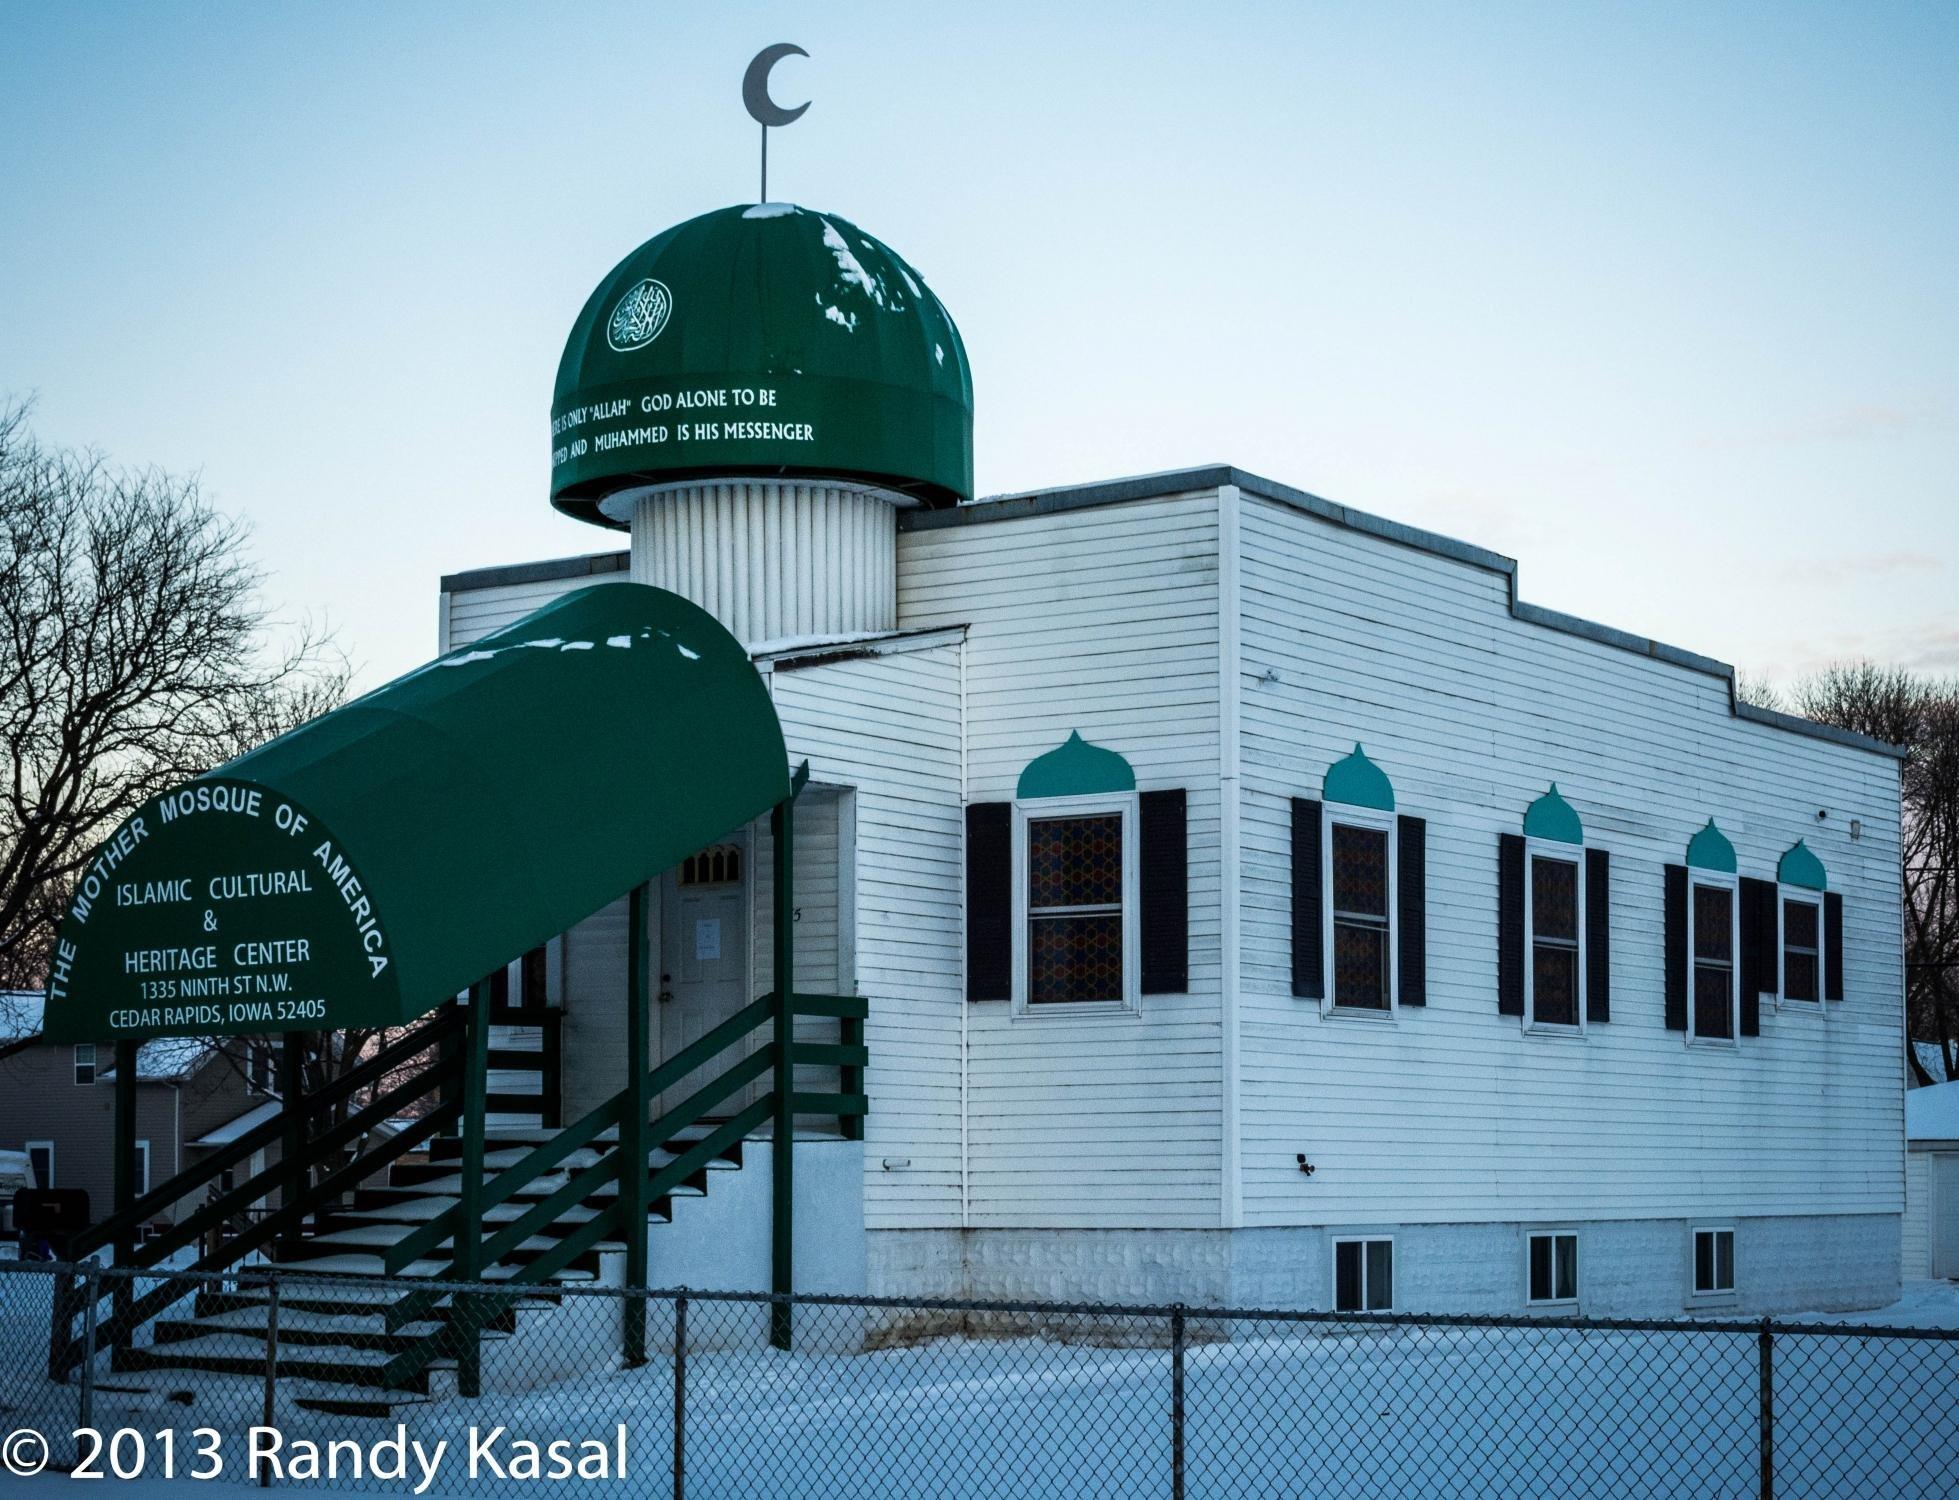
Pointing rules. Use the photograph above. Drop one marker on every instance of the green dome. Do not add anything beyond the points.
(760, 340)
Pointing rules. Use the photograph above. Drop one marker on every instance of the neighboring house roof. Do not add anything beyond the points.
(232, 1129)
(1932, 1114)
(165, 1060)
(169, 1059)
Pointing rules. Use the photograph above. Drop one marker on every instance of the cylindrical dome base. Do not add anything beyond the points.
(773, 560)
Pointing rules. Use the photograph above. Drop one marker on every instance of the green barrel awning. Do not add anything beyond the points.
(364, 867)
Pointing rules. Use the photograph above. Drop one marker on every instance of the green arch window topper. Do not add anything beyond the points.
(1358, 782)
(1551, 817)
(1076, 769)
(1710, 850)
(1800, 866)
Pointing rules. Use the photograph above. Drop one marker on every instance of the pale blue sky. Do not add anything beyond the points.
(1662, 300)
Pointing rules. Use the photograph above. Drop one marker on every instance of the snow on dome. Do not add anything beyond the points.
(770, 211)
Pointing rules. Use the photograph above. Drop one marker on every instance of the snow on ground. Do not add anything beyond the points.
(1325, 1410)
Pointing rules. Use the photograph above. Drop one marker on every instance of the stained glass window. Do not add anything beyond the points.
(1714, 962)
(1074, 909)
(1360, 917)
(1554, 941)
(1801, 950)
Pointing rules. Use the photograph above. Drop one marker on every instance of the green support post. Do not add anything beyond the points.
(124, 1170)
(469, 1198)
(292, 1122)
(782, 834)
(632, 1120)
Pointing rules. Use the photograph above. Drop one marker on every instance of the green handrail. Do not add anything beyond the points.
(534, 1164)
(195, 1176)
(171, 1290)
(587, 1184)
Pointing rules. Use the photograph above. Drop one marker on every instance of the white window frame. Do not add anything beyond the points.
(1573, 855)
(77, 1050)
(1332, 813)
(1802, 893)
(1718, 880)
(142, 1167)
(1577, 1269)
(1037, 809)
(1724, 1294)
(1333, 1273)
(30, 1147)
(261, 1069)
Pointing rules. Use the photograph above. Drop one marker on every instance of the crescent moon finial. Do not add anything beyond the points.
(755, 86)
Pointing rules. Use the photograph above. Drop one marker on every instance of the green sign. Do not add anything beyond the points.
(221, 908)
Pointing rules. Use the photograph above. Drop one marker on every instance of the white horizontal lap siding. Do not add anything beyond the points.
(1102, 621)
(1452, 1115)
(475, 613)
(888, 726)
(1916, 1246)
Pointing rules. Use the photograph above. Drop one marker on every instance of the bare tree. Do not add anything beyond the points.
(1922, 714)
(1758, 692)
(138, 653)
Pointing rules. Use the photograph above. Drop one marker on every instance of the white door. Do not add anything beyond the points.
(703, 960)
(1944, 1225)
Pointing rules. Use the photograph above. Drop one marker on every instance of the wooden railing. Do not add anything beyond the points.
(617, 1190)
(297, 1180)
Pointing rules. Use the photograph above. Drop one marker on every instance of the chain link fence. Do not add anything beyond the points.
(294, 1380)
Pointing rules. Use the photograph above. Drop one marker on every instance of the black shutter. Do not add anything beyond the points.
(1833, 946)
(1761, 969)
(989, 901)
(1308, 966)
(1411, 904)
(1598, 935)
(1163, 855)
(1510, 924)
(1675, 947)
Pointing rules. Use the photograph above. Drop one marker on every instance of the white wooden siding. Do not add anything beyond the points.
(888, 726)
(1916, 1241)
(471, 614)
(1451, 1114)
(1103, 621)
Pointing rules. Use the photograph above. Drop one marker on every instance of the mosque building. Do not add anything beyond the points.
(1180, 888)
(1255, 900)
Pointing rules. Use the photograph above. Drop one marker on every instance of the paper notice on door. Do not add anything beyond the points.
(707, 938)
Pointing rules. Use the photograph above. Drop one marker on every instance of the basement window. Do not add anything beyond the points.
(1713, 997)
(1076, 877)
(1363, 1275)
(1714, 1263)
(1553, 1269)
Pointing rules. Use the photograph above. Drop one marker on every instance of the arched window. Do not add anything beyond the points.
(1554, 915)
(718, 864)
(1075, 880)
(1358, 873)
(1801, 886)
(1713, 993)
